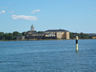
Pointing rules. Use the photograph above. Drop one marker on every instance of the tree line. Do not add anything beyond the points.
(9, 36)
(80, 35)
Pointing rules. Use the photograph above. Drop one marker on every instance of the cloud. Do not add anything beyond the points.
(23, 17)
(2, 12)
(35, 11)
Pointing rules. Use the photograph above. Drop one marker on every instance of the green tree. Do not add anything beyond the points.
(1, 35)
(15, 33)
(8, 36)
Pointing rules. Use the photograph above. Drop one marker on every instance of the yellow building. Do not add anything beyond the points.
(94, 37)
(60, 33)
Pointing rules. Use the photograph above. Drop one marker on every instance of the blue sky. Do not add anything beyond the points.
(72, 15)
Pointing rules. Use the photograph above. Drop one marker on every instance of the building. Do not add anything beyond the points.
(94, 37)
(59, 33)
(20, 38)
(32, 34)
(48, 34)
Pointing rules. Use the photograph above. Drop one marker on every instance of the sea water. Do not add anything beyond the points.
(47, 56)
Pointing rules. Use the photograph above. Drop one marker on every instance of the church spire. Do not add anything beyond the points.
(32, 28)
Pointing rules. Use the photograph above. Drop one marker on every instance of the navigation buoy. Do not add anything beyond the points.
(77, 44)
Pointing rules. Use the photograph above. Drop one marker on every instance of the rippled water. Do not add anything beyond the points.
(47, 56)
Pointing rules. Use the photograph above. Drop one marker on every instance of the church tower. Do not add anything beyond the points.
(32, 28)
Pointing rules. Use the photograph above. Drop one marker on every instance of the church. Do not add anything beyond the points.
(32, 34)
(48, 34)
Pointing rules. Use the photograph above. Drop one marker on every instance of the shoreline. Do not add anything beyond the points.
(44, 39)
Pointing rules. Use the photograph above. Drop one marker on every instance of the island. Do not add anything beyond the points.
(56, 34)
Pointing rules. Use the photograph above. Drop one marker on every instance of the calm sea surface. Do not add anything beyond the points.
(47, 56)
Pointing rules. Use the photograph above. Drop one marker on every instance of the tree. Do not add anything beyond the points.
(1, 35)
(15, 33)
(8, 36)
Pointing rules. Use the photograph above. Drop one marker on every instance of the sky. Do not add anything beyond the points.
(71, 15)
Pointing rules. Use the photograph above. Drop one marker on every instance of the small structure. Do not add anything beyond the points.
(32, 28)
(77, 44)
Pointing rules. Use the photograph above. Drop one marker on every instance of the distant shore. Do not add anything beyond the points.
(44, 39)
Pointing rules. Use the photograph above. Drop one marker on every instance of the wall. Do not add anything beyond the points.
(60, 35)
(67, 35)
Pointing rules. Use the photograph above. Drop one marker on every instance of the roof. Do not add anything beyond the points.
(57, 30)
